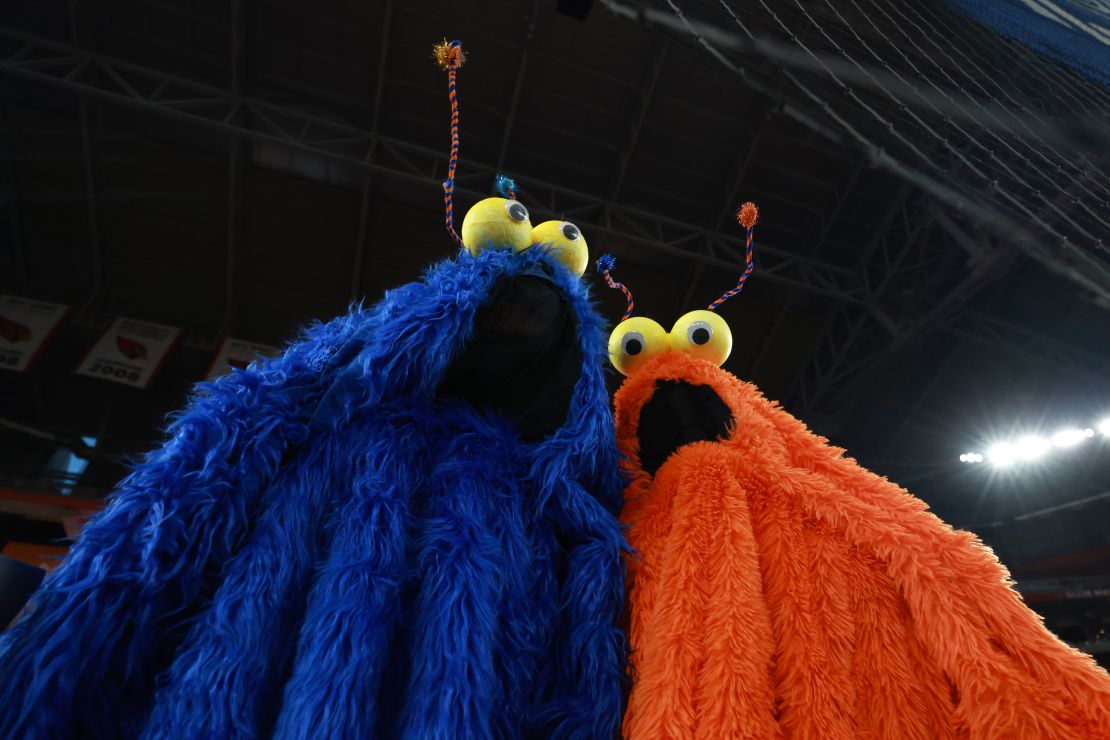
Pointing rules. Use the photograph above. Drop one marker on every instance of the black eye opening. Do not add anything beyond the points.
(699, 333)
(516, 210)
(632, 343)
(570, 231)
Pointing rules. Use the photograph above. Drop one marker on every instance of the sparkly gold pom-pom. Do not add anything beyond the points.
(747, 215)
(445, 50)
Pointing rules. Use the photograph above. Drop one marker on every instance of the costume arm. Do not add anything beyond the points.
(1012, 676)
(354, 605)
(461, 555)
(103, 623)
(583, 687)
(243, 641)
(449, 540)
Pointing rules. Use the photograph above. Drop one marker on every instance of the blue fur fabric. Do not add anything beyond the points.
(322, 549)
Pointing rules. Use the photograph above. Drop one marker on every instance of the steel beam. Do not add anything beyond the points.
(9, 207)
(1025, 343)
(92, 206)
(942, 284)
(58, 65)
(235, 162)
(744, 161)
(943, 290)
(832, 361)
(368, 177)
(693, 279)
(99, 77)
(659, 56)
(896, 207)
(842, 197)
(518, 84)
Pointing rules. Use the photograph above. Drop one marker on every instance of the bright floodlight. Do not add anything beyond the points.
(1002, 455)
(1032, 447)
(1069, 437)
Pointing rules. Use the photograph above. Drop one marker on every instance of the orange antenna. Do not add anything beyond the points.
(746, 216)
(450, 57)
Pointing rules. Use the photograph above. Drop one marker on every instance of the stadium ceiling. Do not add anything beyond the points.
(932, 194)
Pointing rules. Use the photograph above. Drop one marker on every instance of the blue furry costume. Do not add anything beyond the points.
(323, 548)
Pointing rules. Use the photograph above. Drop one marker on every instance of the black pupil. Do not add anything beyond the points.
(570, 231)
(700, 335)
(633, 346)
(517, 212)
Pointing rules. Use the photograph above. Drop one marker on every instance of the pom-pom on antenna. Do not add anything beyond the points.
(748, 215)
(505, 185)
(447, 51)
(606, 262)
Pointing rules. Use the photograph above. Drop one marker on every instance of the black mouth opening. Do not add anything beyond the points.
(678, 414)
(524, 358)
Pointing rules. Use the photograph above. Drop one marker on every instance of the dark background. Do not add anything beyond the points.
(243, 167)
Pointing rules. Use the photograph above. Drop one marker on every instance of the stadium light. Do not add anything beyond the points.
(1033, 447)
(1002, 455)
(1070, 437)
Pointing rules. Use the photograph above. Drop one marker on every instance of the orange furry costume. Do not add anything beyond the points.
(781, 590)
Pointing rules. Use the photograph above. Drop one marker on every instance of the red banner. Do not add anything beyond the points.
(26, 326)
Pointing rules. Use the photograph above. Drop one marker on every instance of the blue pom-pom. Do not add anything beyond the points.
(505, 185)
(606, 262)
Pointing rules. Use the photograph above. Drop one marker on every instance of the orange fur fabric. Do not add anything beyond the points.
(779, 590)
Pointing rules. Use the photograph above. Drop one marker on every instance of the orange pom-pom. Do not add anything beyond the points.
(447, 51)
(747, 215)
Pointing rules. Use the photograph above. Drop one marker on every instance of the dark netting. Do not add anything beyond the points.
(1016, 141)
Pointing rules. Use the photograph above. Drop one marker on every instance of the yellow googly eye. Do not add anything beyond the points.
(497, 223)
(567, 244)
(702, 334)
(634, 342)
